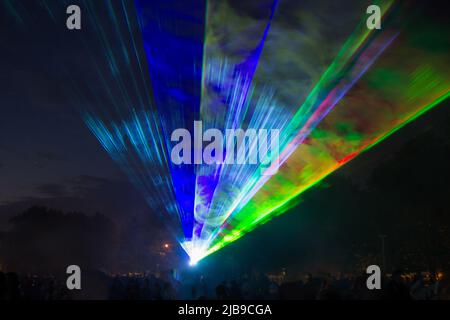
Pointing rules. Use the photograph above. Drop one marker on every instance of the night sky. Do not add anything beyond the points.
(47, 153)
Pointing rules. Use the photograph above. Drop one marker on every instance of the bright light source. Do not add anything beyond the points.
(192, 263)
(195, 250)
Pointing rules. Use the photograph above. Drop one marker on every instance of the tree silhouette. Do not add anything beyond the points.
(43, 240)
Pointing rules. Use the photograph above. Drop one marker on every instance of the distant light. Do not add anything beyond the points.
(166, 245)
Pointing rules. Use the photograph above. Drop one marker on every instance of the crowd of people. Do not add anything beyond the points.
(251, 286)
(14, 287)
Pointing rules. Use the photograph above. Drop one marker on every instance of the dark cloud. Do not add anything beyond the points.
(86, 184)
(53, 190)
(5, 148)
(50, 156)
(88, 180)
